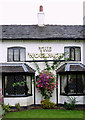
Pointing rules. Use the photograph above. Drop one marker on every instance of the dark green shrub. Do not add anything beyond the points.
(47, 104)
(69, 106)
(6, 107)
(17, 106)
(71, 103)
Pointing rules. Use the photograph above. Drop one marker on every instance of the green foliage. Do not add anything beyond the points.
(46, 104)
(57, 63)
(72, 100)
(2, 112)
(54, 65)
(17, 106)
(6, 107)
(37, 66)
(71, 105)
(22, 83)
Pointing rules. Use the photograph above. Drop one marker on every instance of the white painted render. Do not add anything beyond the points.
(32, 46)
(0, 80)
(84, 52)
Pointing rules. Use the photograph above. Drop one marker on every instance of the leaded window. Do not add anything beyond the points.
(16, 54)
(19, 90)
(72, 84)
(73, 53)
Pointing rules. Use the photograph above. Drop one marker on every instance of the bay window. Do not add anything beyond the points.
(72, 84)
(19, 90)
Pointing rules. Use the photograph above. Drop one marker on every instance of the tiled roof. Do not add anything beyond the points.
(35, 32)
(71, 67)
(15, 68)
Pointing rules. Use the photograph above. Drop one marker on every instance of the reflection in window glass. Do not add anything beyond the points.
(10, 54)
(19, 90)
(72, 84)
(16, 55)
(64, 83)
(77, 53)
(9, 89)
(83, 81)
(66, 53)
(80, 83)
(72, 53)
(29, 84)
(22, 54)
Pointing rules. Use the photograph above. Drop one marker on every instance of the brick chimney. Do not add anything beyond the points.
(41, 16)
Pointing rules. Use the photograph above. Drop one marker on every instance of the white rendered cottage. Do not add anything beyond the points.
(20, 44)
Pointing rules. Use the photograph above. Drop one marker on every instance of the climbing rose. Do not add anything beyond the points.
(45, 84)
(1, 95)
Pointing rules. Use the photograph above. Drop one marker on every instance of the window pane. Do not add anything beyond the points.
(10, 55)
(16, 54)
(80, 83)
(9, 89)
(19, 90)
(29, 84)
(22, 54)
(63, 83)
(83, 80)
(72, 84)
(66, 50)
(77, 54)
(72, 54)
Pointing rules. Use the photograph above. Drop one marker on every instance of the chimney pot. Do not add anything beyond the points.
(41, 8)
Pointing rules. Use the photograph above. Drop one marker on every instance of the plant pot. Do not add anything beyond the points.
(44, 100)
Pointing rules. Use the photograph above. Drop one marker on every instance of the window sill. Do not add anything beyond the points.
(73, 94)
(18, 95)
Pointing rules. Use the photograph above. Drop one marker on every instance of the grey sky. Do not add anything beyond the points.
(60, 12)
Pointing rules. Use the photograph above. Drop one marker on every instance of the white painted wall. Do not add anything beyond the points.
(84, 52)
(0, 80)
(84, 12)
(33, 47)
